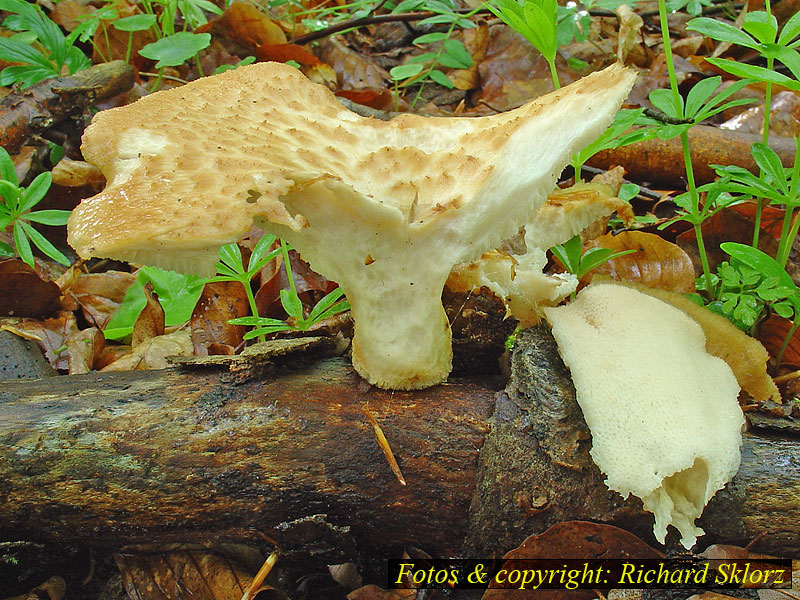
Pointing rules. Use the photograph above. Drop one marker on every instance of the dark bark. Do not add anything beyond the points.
(37, 109)
(203, 455)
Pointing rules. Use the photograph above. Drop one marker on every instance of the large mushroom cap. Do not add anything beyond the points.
(189, 169)
(385, 208)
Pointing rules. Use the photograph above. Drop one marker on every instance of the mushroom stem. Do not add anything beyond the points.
(392, 343)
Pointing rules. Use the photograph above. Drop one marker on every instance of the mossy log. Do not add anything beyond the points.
(210, 455)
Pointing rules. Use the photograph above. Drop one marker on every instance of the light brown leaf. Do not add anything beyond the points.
(83, 347)
(150, 323)
(153, 353)
(211, 332)
(182, 574)
(656, 263)
(100, 294)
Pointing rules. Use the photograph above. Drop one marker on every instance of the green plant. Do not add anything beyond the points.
(231, 268)
(177, 293)
(760, 34)
(91, 21)
(331, 304)
(775, 183)
(574, 20)
(537, 21)
(192, 11)
(132, 24)
(579, 264)
(57, 50)
(15, 211)
(450, 53)
(785, 295)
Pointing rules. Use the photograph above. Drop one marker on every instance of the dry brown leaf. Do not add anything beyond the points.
(182, 574)
(247, 26)
(51, 335)
(573, 538)
(83, 347)
(53, 589)
(630, 28)
(100, 294)
(355, 70)
(746, 357)
(153, 353)
(150, 323)
(656, 263)
(23, 292)
(476, 41)
(772, 334)
(373, 592)
(211, 332)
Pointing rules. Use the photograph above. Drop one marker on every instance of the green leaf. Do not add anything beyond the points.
(291, 304)
(22, 244)
(135, 23)
(402, 72)
(569, 253)
(324, 304)
(44, 244)
(456, 50)
(754, 72)
(765, 31)
(231, 257)
(53, 218)
(15, 51)
(177, 293)
(594, 257)
(765, 264)
(768, 161)
(7, 170)
(26, 75)
(6, 251)
(122, 322)
(36, 191)
(790, 58)
(664, 100)
(430, 38)
(12, 196)
(176, 49)
(421, 58)
(699, 94)
(719, 30)
(791, 29)
(783, 309)
(261, 255)
(628, 191)
(441, 79)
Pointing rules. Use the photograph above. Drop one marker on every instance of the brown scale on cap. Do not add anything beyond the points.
(416, 194)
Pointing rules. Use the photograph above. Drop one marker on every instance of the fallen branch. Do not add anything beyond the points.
(44, 105)
(212, 455)
(661, 161)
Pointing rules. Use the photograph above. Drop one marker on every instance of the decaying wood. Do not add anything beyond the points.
(661, 161)
(213, 455)
(172, 455)
(44, 105)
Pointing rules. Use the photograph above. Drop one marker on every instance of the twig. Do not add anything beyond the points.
(384, 445)
(261, 575)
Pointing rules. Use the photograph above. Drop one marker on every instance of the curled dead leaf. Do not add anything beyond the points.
(656, 263)
(153, 353)
(24, 293)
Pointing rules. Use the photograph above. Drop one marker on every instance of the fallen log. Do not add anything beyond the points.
(44, 105)
(661, 161)
(152, 457)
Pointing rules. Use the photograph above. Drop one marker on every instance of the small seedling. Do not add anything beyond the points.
(579, 264)
(57, 50)
(14, 210)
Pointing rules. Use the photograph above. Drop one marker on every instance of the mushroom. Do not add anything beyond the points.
(664, 414)
(386, 208)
